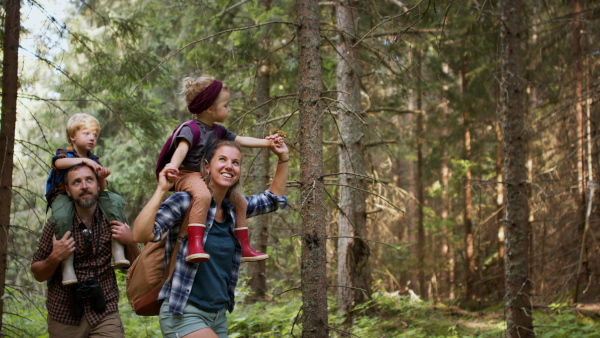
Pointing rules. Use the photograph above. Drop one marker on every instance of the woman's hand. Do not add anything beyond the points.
(281, 150)
(280, 178)
(167, 177)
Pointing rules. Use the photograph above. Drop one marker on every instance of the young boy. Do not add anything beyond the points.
(82, 134)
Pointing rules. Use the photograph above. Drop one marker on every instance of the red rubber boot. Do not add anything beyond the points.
(248, 254)
(196, 252)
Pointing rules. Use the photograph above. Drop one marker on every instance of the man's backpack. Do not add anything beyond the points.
(147, 275)
(169, 148)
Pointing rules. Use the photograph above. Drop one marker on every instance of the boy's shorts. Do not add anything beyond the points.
(193, 319)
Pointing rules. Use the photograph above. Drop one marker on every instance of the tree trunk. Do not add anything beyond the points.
(354, 275)
(519, 321)
(468, 198)
(419, 181)
(314, 236)
(10, 86)
(499, 205)
(581, 118)
(260, 234)
(447, 232)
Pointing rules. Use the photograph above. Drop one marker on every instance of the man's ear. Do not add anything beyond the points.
(67, 190)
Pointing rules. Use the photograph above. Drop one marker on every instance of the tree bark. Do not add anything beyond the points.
(419, 181)
(354, 275)
(499, 204)
(468, 197)
(314, 236)
(518, 311)
(581, 119)
(260, 234)
(447, 232)
(10, 87)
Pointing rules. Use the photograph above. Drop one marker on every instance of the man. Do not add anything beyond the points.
(90, 307)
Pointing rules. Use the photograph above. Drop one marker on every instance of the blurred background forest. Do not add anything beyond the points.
(424, 142)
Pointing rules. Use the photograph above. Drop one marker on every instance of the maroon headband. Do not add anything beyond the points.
(206, 98)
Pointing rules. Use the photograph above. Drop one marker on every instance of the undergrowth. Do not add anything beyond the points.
(385, 315)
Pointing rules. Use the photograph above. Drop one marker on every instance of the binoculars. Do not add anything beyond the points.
(90, 289)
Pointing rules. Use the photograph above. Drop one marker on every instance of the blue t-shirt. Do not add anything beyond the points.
(209, 291)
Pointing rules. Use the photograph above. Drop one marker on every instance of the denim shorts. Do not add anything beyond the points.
(193, 319)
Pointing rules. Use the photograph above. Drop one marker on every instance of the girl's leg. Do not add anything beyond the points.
(192, 183)
(241, 230)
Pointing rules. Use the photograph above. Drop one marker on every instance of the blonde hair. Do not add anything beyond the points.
(191, 87)
(81, 121)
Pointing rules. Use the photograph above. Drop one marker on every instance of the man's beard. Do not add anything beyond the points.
(88, 201)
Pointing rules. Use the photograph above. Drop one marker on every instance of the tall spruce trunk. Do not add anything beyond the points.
(314, 236)
(518, 311)
(447, 231)
(354, 273)
(260, 233)
(499, 205)
(419, 180)
(10, 86)
(581, 123)
(468, 195)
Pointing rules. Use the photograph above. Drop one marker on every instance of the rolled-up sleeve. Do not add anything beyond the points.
(264, 203)
(170, 213)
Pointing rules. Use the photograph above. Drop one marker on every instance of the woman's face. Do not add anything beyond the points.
(225, 167)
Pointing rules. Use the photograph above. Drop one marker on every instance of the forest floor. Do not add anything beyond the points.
(387, 315)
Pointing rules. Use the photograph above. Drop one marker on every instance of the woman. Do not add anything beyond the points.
(200, 293)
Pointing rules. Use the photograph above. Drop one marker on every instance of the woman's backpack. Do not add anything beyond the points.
(169, 148)
(147, 275)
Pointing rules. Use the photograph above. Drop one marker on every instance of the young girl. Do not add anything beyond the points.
(208, 99)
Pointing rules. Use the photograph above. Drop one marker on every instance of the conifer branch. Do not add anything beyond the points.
(168, 57)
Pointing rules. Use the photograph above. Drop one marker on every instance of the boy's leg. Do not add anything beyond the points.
(113, 208)
(240, 205)
(193, 183)
(63, 211)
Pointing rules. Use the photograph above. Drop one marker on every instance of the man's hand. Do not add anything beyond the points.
(121, 232)
(62, 248)
(102, 173)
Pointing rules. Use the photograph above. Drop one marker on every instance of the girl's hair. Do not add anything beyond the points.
(208, 156)
(81, 121)
(191, 87)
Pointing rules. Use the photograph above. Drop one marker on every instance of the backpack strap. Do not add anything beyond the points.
(171, 267)
(219, 131)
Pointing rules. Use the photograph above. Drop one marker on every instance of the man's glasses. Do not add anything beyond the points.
(88, 235)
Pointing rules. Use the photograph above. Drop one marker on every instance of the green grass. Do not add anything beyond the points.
(386, 315)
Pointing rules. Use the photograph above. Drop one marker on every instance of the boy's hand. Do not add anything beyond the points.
(92, 164)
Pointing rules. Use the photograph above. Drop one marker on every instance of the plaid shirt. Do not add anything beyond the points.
(55, 173)
(169, 217)
(88, 263)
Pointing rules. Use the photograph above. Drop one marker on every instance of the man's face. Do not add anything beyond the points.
(82, 186)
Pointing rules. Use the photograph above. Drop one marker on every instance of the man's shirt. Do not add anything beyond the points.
(92, 259)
